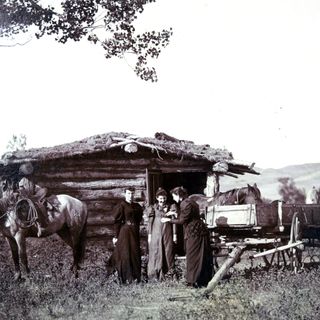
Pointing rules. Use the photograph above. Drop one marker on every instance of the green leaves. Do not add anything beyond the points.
(17, 142)
(289, 192)
(108, 23)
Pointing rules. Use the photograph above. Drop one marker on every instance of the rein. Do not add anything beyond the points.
(4, 215)
(32, 215)
(4, 206)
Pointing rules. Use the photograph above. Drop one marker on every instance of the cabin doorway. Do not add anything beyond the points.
(194, 182)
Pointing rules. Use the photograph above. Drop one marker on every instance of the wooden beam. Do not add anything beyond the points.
(95, 174)
(271, 251)
(98, 184)
(116, 193)
(222, 271)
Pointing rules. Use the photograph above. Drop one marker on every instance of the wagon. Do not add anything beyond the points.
(276, 232)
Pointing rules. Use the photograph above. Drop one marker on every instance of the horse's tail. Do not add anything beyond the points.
(81, 244)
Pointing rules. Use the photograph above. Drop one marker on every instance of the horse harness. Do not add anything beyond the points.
(237, 196)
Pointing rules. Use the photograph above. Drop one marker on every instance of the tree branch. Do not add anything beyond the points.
(15, 44)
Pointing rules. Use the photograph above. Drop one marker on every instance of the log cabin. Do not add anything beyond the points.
(97, 169)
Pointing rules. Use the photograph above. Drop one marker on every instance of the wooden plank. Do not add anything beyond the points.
(308, 214)
(232, 208)
(91, 195)
(250, 242)
(222, 271)
(87, 176)
(267, 215)
(96, 168)
(100, 220)
(281, 248)
(95, 163)
(116, 193)
(97, 213)
(181, 169)
(234, 215)
(178, 162)
(98, 173)
(98, 184)
(104, 205)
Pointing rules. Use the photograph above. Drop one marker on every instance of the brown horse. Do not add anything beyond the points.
(244, 195)
(68, 219)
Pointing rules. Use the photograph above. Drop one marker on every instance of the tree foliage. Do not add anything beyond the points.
(17, 142)
(289, 192)
(109, 23)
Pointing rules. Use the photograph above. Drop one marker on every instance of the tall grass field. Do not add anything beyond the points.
(51, 291)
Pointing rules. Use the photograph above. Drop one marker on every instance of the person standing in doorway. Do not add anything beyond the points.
(161, 238)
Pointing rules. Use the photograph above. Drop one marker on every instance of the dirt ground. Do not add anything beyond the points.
(51, 292)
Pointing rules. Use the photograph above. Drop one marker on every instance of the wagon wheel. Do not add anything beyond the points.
(219, 255)
(295, 253)
(274, 259)
(278, 258)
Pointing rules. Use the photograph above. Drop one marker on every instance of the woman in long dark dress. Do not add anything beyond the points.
(160, 238)
(126, 258)
(197, 240)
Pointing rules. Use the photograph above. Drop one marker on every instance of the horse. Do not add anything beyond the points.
(68, 218)
(244, 195)
(313, 196)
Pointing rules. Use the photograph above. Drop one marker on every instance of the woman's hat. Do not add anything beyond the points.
(161, 192)
(180, 191)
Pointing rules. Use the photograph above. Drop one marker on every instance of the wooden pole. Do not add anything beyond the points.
(216, 183)
(230, 261)
(285, 247)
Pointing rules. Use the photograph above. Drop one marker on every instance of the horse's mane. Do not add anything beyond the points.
(249, 194)
(237, 193)
(256, 190)
(225, 193)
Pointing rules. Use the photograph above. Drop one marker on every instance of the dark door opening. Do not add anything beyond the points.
(194, 182)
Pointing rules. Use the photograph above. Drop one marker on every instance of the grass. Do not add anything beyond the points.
(50, 292)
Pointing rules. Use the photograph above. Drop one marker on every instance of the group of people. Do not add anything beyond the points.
(162, 219)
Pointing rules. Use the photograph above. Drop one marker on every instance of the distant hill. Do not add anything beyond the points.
(305, 176)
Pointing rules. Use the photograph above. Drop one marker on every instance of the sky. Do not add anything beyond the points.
(238, 74)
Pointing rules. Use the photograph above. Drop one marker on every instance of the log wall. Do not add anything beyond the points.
(100, 180)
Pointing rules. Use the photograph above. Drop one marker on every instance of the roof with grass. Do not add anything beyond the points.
(160, 144)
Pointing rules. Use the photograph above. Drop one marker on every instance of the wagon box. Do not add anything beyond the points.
(272, 217)
(246, 215)
(309, 214)
(232, 215)
(274, 229)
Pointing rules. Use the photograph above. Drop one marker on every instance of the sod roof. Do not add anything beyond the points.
(161, 143)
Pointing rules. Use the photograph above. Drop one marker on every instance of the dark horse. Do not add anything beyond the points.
(244, 195)
(68, 219)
